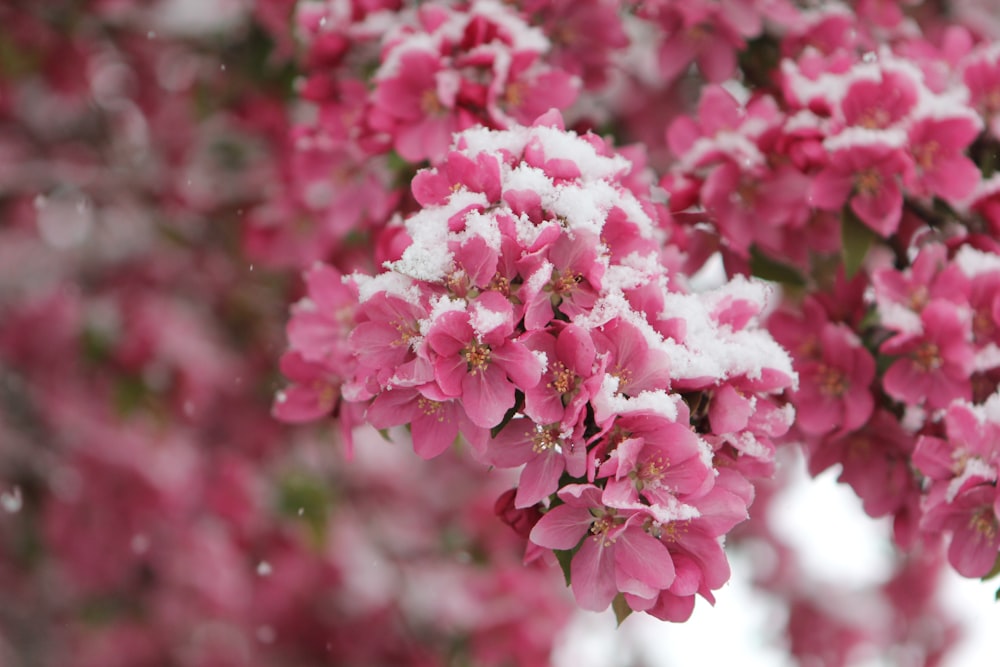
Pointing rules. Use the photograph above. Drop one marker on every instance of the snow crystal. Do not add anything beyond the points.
(830, 87)
(525, 177)
(583, 208)
(735, 145)
(634, 270)
(482, 225)
(484, 320)
(942, 106)
(543, 359)
(718, 352)
(428, 257)
(536, 281)
(263, 569)
(391, 283)
(673, 510)
(567, 145)
(484, 140)
(863, 136)
(608, 402)
(139, 543)
(439, 306)
(304, 305)
(990, 409)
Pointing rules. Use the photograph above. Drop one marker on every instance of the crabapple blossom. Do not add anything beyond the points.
(505, 320)
(495, 319)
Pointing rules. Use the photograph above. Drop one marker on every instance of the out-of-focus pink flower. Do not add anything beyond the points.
(934, 365)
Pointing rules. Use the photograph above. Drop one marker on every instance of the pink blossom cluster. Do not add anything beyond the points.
(440, 68)
(480, 281)
(533, 312)
(861, 176)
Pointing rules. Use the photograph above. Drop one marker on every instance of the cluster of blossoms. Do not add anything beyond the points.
(533, 312)
(523, 300)
(861, 176)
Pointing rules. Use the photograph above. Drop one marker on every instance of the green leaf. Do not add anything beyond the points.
(767, 268)
(622, 610)
(306, 497)
(856, 238)
(565, 557)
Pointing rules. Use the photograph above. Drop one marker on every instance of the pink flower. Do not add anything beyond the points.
(867, 176)
(416, 105)
(699, 33)
(434, 419)
(931, 276)
(971, 519)
(879, 104)
(937, 148)
(483, 367)
(657, 459)
(876, 463)
(968, 456)
(981, 76)
(567, 382)
(545, 452)
(574, 278)
(637, 366)
(385, 339)
(619, 555)
(313, 394)
(935, 364)
(834, 392)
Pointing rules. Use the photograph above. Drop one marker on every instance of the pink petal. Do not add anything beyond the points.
(642, 557)
(592, 576)
(487, 396)
(539, 479)
(562, 527)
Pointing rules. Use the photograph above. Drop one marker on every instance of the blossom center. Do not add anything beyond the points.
(514, 94)
(326, 394)
(869, 182)
(431, 408)
(407, 332)
(983, 326)
(919, 298)
(651, 471)
(672, 531)
(831, 381)
(544, 440)
(566, 282)
(430, 104)
(601, 528)
(984, 523)
(927, 357)
(477, 356)
(875, 119)
(563, 379)
(926, 153)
